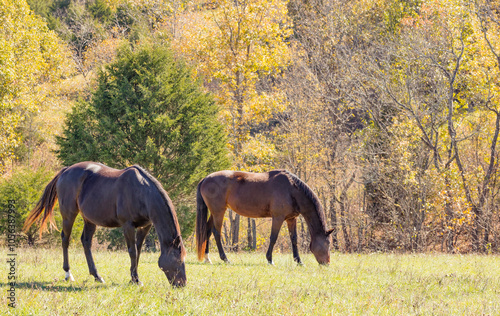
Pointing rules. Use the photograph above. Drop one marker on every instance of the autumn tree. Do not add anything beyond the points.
(423, 79)
(30, 55)
(396, 87)
(447, 42)
(321, 131)
(487, 26)
(240, 49)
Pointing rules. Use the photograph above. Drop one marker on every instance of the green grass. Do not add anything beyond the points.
(376, 284)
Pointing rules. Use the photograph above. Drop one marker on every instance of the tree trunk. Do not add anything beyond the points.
(303, 236)
(343, 221)
(31, 239)
(226, 235)
(254, 232)
(487, 229)
(476, 232)
(251, 236)
(448, 234)
(333, 223)
(235, 230)
(360, 237)
(343, 216)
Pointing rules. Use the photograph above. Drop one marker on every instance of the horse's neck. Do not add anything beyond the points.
(313, 220)
(165, 227)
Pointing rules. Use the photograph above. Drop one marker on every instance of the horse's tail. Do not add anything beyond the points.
(46, 202)
(201, 223)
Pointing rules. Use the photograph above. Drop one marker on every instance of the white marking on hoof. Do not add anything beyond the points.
(100, 279)
(69, 277)
(207, 259)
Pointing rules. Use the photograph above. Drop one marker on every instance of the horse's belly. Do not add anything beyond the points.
(254, 214)
(251, 209)
(99, 213)
(102, 221)
(251, 200)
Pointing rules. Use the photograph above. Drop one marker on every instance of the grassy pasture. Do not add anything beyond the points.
(367, 284)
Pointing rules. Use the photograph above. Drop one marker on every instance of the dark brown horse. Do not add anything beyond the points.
(278, 194)
(130, 198)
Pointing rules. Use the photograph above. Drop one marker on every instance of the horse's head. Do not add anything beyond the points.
(171, 262)
(320, 247)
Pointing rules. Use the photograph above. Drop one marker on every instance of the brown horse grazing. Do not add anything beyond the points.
(278, 194)
(130, 198)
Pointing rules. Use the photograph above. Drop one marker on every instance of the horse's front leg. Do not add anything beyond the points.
(292, 230)
(141, 234)
(275, 230)
(88, 232)
(129, 233)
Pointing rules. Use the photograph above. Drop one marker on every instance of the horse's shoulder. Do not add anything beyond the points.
(281, 176)
(135, 172)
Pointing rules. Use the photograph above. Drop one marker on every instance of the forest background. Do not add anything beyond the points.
(388, 109)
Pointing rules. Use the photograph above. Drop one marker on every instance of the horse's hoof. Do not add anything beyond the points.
(270, 263)
(99, 279)
(69, 277)
(227, 261)
(138, 283)
(207, 260)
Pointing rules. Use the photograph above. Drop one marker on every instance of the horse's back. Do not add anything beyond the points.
(249, 194)
(83, 174)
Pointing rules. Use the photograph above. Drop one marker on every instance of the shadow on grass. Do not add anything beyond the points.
(57, 286)
(228, 264)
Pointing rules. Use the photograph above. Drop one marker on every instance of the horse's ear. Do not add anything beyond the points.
(330, 231)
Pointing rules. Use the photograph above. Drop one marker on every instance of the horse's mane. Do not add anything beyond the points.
(302, 186)
(164, 195)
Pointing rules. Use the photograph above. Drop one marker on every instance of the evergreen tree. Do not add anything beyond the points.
(148, 110)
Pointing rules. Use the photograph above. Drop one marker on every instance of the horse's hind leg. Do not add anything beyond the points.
(88, 233)
(68, 221)
(292, 230)
(217, 229)
(210, 226)
(130, 237)
(141, 234)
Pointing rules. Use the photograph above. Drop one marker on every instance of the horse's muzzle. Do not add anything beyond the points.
(179, 283)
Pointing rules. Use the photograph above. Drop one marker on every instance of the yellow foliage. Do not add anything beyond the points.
(30, 55)
(102, 52)
(258, 155)
(233, 46)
